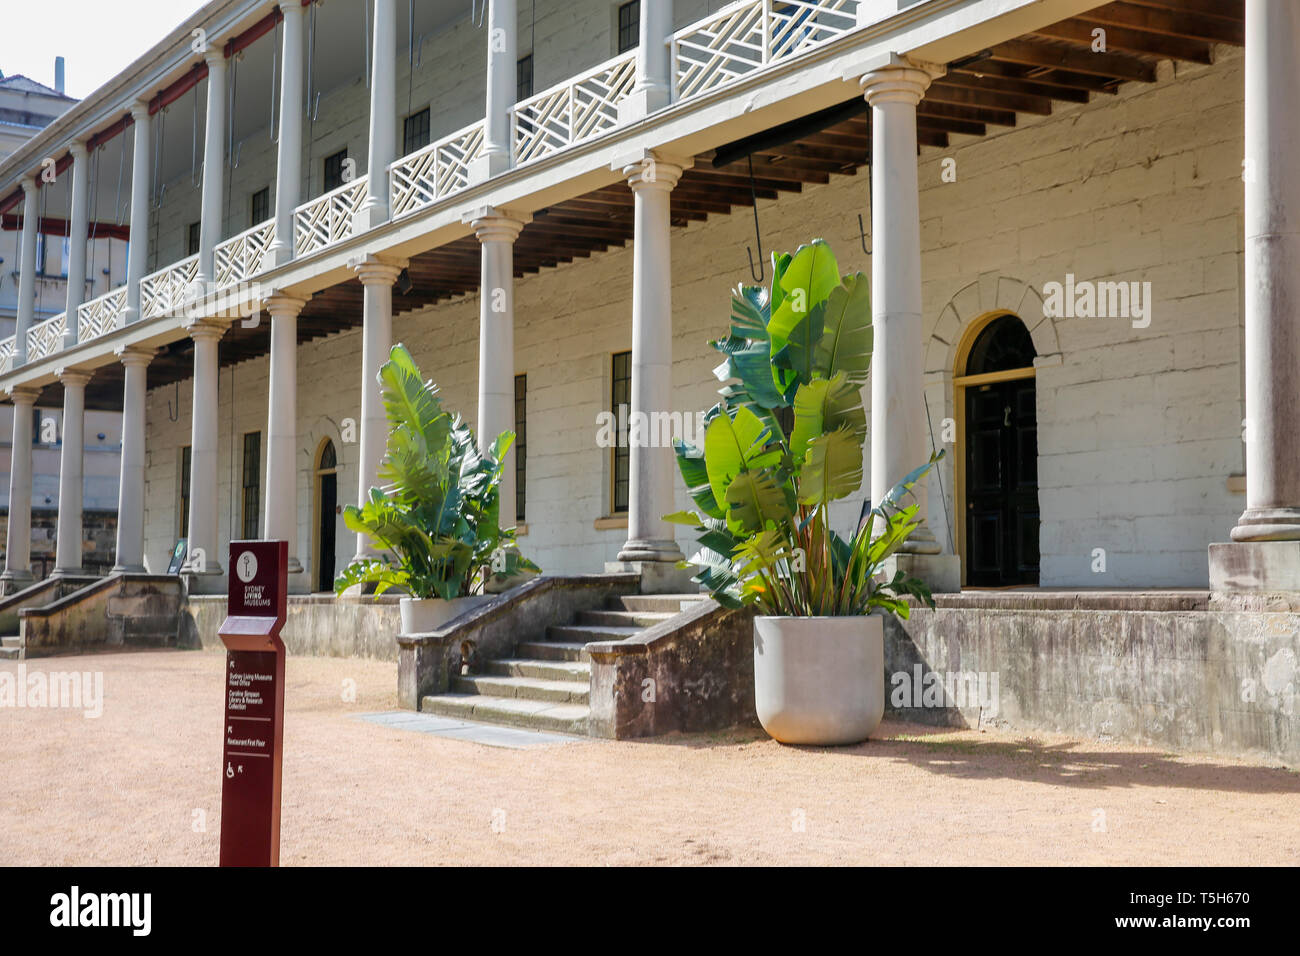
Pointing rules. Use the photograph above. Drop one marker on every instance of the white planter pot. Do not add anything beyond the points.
(422, 615)
(819, 680)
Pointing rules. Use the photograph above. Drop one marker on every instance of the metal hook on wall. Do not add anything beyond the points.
(758, 234)
(174, 415)
(476, 15)
(862, 235)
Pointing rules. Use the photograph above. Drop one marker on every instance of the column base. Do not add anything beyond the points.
(11, 582)
(487, 166)
(1267, 524)
(657, 577)
(210, 581)
(129, 569)
(369, 216)
(940, 572)
(1259, 566)
(279, 254)
(641, 103)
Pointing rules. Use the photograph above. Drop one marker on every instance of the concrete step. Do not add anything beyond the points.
(11, 640)
(624, 618)
(553, 651)
(524, 688)
(664, 603)
(586, 633)
(544, 670)
(11, 653)
(533, 714)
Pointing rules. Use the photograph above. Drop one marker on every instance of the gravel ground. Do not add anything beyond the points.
(141, 785)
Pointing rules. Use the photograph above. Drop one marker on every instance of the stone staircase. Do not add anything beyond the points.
(546, 685)
(11, 648)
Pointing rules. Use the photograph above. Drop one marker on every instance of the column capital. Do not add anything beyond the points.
(215, 56)
(29, 185)
(898, 79)
(290, 6)
(73, 377)
(79, 149)
(282, 304)
(493, 223)
(208, 330)
(139, 110)
(23, 394)
(645, 169)
(373, 270)
(134, 356)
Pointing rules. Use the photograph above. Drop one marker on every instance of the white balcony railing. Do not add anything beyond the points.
(573, 111)
(164, 291)
(101, 315)
(327, 219)
(46, 338)
(241, 257)
(436, 171)
(7, 348)
(747, 36)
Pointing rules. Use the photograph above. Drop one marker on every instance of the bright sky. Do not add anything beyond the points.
(97, 38)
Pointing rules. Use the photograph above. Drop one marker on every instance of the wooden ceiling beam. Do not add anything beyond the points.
(1115, 66)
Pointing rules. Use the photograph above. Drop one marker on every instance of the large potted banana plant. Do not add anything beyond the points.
(436, 517)
(800, 353)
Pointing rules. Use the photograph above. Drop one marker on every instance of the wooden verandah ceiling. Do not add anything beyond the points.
(1026, 75)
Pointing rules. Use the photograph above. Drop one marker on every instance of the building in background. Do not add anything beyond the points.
(27, 107)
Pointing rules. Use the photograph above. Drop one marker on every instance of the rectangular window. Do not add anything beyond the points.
(524, 78)
(620, 401)
(521, 444)
(192, 239)
(260, 209)
(334, 169)
(185, 492)
(252, 483)
(629, 26)
(415, 132)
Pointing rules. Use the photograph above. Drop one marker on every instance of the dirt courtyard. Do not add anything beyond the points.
(141, 784)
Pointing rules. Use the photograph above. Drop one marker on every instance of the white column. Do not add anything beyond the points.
(898, 430)
(497, 231)
(650, 492)
(203, 455)
(281, 521)
(26, 271)
(288, 176)
(68, 537)
(18, 535)
(138, 251)
(383, 114)
(130, 493)
(377, 276)
(77, 237)
(501, 65)
(214, 164)
(653, 89)
(1272, 286)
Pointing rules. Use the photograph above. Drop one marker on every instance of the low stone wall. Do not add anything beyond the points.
(691, 674)
(426, 661)
(38, 595)
(1158, 668)
(124, 610)
(318, 625)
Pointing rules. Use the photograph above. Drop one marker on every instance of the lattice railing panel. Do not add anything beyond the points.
(7, 349)
(747, 36)
(46, 338)
(574, 111)
(101, 315)
(437, 170)
(327, 219)
(241, 257)
(164, 291)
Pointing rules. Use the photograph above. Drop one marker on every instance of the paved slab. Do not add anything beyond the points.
(489, 735)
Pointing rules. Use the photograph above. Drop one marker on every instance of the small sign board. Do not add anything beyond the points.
(253, 731)
(178, 556)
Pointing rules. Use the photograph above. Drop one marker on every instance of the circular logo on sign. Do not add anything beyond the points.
(246, 566)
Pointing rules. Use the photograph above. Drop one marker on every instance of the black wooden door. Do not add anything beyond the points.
(329, 500)
(1001, 484)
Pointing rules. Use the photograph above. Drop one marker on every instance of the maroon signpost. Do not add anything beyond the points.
(254, 727)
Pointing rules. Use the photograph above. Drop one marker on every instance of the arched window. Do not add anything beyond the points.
(1004, 344)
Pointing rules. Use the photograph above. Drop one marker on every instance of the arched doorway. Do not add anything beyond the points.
(327, 499)
(994, 391)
